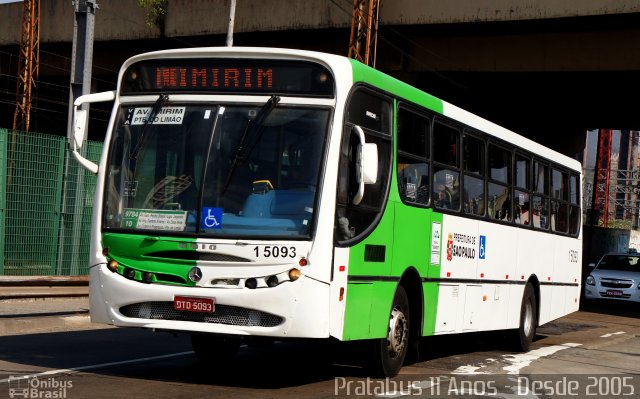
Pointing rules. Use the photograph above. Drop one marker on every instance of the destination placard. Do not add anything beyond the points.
(154, 220)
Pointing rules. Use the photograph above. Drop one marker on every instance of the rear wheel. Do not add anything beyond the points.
(526, 332)
(214, 349)
(390, 352)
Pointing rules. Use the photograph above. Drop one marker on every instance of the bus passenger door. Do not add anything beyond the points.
(364, 218)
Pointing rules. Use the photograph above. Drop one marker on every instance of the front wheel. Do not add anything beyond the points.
(214, 349)
(389, 352)
(526, 331)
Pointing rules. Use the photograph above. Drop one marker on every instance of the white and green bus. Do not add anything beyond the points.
(280, 193)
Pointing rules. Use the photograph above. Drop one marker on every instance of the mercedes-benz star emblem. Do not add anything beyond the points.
(195, 274)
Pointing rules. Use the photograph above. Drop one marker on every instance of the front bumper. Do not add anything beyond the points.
(298, 309)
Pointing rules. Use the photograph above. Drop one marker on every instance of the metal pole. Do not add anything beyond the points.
(593, 217)
(82, 53)
(634, 180)
(81, 63)
(232, 17)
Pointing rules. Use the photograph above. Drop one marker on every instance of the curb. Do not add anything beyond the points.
(42, 287)
(46, 281)
(42, 292)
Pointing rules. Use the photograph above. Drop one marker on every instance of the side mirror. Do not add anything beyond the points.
(79, 126)
(366, 164)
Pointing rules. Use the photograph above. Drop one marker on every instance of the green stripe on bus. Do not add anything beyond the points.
(368, 304)
(369, 301)
(405, 232)
(170, 259)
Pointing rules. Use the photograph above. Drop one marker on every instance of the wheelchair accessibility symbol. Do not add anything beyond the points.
(211, 218)
(483, 247)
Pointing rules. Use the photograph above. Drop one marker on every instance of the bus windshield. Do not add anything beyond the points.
(262, 168)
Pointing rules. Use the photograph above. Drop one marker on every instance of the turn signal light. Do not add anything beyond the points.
(294, 274)
(112, 265)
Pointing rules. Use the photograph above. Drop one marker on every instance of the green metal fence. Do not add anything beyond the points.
(46, 203)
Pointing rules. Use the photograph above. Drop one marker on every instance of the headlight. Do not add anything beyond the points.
(591, 280)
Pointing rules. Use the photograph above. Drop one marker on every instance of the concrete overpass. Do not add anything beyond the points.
(547, 69)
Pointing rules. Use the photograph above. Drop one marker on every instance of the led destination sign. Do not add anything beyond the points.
(228, 76)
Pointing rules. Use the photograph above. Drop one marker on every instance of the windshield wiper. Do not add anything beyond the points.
(254, 125)
(157, 106)
(219, 111)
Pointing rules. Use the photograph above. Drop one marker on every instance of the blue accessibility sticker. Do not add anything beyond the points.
(482, 252)
(211, 218)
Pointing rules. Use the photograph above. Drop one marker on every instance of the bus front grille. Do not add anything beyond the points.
(616, 283)
(224, 314)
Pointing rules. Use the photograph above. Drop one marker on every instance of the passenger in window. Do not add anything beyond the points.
(504, 213)
(539, 216)
(444, 197)
(524, 214)
(455, 195)
(499, 202)
(536, 216)
(447, 193)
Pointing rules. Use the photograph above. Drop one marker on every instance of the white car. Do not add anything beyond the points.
(616, 276)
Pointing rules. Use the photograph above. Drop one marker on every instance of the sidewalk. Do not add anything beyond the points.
(43, 304)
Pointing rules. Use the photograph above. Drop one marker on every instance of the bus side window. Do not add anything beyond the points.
(473, 160)
(574, 207)
(373, 113)
(498, 189)
(446, 164)
(413, 149)
(559, 206)
(540, 204)
(522, 206)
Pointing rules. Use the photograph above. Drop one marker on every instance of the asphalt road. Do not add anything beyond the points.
(591, 353)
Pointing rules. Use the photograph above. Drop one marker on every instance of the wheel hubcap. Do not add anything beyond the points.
(398, 332)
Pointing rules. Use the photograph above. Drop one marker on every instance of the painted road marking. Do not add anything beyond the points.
(469, 369)
(612, 334)
(519, 361)
(96, 366)
(515, 362)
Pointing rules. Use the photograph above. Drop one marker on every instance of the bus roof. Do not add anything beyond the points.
(387, 83)
(366, 74)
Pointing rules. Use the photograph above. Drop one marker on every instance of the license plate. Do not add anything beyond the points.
(194, 304)
(614, 293)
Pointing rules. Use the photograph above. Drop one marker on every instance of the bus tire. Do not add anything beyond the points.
(214, 349)
(390, 352)
(526, 332)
